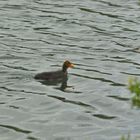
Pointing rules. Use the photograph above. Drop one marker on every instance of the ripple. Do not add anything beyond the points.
(32, 138)
(119, 98)
(106, 117)
(101, 79)
(17, 67)
(15, 128)
(21, 90)
(109, 3)
(71, 101)
(47, 11)
(105, 14)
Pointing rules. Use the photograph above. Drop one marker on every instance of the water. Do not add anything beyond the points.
(101, 37)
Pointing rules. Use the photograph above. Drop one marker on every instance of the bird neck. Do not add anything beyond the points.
(64, 69)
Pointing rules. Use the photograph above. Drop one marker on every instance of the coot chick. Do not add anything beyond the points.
(55, 76)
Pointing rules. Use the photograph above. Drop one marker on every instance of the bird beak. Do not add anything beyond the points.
(71, 65)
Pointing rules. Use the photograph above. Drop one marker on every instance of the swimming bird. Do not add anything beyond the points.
(56, 76)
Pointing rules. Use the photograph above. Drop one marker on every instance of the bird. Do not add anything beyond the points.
(54, 77)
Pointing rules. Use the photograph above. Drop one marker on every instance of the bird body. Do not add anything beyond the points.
(56, 76)
(50, 76)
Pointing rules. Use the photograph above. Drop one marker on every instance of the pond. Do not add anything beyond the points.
(101, 38)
